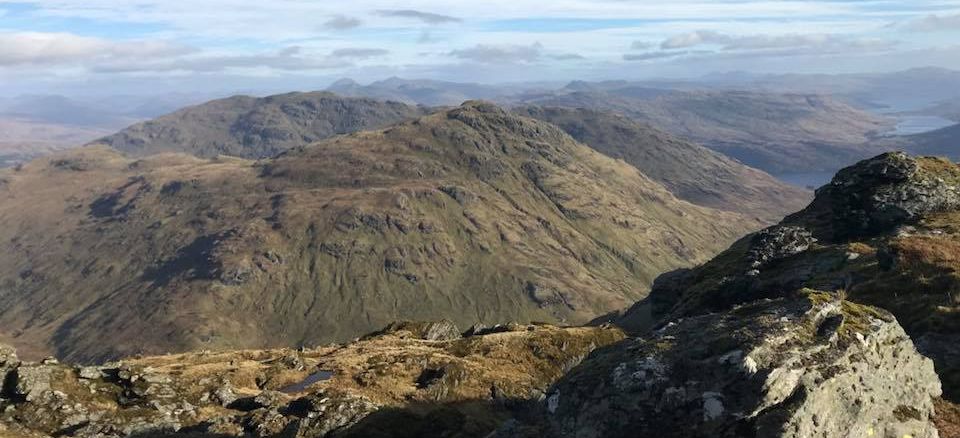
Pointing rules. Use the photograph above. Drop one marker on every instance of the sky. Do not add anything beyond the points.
(149, 46)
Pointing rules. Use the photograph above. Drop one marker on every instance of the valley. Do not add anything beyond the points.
(430, 219)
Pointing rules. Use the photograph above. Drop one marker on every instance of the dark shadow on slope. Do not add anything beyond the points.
(196, 260)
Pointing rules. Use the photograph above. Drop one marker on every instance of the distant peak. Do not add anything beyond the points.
(344, 83)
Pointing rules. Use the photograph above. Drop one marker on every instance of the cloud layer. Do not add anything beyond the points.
(290, 40)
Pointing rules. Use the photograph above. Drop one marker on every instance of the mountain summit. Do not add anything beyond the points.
(251, 127)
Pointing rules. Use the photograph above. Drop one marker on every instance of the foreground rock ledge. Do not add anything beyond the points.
(804, 366)
(410, 379)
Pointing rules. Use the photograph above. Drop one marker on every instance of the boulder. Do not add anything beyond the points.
(31, 381)
(800, 366)
(430, 331)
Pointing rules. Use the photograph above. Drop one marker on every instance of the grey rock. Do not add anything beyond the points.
(880, 194)
(442, 331)
(766, 369)
(324, 413)
(225, 395)
(777, 243)
(32, 381)
(89, 373)
(269, 399)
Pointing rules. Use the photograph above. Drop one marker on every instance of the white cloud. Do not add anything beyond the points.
(934, 23)
(802, 43)
(341, 22)
(501, 54)
(36, 48)
(359, 53)
(426, 17)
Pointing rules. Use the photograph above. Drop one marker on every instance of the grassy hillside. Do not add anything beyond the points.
(472, 214)
(692, 172)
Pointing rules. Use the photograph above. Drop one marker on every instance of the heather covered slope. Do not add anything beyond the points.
(472, 214)
(692, 172)
(252, 127)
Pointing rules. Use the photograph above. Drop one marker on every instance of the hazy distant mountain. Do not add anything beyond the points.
(777, 133)
(692, 172)
(22, 139)
(943, 142)
(61, 110)
(904, 90)
(423, 92)
(471, 214)
(252, 127)
(949, 110)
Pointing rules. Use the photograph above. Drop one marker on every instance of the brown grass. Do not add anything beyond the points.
(947, 418)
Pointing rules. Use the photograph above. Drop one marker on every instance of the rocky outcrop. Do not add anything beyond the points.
(879, 194)
(885, 232)
(802, 366)
(413, 378)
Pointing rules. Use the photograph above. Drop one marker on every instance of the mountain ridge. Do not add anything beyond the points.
(471, 208)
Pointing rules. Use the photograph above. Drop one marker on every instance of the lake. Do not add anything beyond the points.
(909, 125)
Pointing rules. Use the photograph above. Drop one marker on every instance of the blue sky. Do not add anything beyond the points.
(144, 45)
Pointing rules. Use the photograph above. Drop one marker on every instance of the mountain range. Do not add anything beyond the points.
(472, 214)
(777, 133)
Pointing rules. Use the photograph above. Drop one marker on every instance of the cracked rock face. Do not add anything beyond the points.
(802, 366)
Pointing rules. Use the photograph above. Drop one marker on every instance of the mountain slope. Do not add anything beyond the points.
(472, 214)
(777, 133)
(251, 127)
(692, 172)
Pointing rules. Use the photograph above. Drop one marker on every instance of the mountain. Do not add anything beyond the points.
(812, 327)
(252, 127)
(776, 133)
(690, 171)
(470, 214)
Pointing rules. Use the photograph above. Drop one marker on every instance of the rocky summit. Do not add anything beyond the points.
(884, 232)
